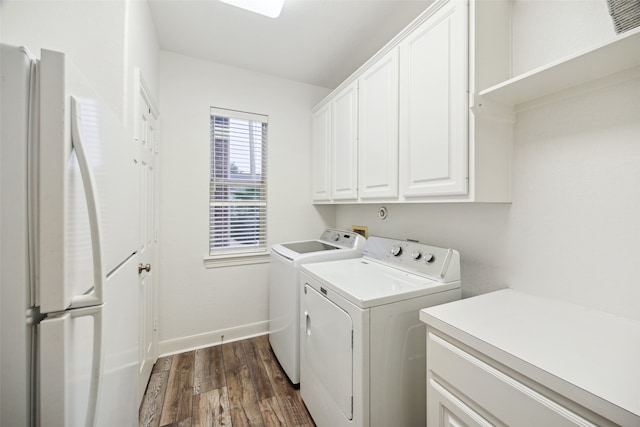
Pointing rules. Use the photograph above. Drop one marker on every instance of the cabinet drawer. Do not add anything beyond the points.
(491, 391)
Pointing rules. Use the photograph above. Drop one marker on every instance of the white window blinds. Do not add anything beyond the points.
(238, 183)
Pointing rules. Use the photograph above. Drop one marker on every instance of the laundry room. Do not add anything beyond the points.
(489, 147)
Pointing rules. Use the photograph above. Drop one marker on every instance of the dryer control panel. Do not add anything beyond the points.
(440, 264)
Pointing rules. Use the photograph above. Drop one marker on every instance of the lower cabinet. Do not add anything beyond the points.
(468, 388)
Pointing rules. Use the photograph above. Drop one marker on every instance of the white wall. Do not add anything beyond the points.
(142, 53)
(573, 229)
(90, 33)
(106, 40)
(546, 30)
(197, 304)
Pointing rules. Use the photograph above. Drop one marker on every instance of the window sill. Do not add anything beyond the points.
(235, 260)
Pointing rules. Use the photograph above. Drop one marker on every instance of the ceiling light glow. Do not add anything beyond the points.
(270, 8)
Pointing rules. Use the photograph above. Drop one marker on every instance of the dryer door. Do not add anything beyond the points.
(328, 349)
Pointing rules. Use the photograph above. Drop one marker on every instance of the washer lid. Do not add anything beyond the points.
(368, 283)
(309, 246)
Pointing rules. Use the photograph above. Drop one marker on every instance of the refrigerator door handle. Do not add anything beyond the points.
(89, 183)
(54, 369)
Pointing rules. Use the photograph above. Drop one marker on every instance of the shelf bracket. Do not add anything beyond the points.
(482, 107)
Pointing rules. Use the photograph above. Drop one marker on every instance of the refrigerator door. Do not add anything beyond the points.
(70, 365)
(118, 404)
(86, 171)
(15, 266)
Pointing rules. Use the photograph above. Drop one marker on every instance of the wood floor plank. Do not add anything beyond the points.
(151, 407)
(292, 406)
(182, 423)
(163, 364)
(233, 354)
(261, 380)
(242, 398)
(223, 385)
(211, 409)
(179, 397)
(271, 413)
(209, 370)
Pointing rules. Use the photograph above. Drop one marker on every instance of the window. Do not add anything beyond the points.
(238, 183)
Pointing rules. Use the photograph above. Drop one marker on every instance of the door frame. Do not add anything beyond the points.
(143, 94)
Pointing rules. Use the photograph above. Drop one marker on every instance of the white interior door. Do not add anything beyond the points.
(147, 144)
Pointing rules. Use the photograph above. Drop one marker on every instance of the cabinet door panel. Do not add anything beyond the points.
(321, 154)
(378, 129)
(433, 105)
(344, 117)
(446, 410)
(510, 400)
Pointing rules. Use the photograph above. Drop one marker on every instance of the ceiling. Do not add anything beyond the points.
(320, 42)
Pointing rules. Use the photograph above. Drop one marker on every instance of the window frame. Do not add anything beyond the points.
(222, 184)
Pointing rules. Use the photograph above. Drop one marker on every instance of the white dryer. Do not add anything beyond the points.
(362, 347)
(284, 291)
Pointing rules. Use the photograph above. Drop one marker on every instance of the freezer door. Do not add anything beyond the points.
(69, 367)
(85, 190)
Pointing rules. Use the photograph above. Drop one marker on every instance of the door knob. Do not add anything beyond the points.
(142, 268)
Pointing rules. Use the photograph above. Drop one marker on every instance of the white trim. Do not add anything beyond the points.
(242, 115)
(146, 93)
(211, 338)
(236, 259)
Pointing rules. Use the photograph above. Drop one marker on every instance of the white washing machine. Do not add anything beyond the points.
(362, 347)
(284, 292)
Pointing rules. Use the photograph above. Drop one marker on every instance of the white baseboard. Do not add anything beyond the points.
(180, 345)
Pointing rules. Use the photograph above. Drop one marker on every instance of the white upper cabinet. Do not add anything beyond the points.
(434, 105)
(402, 127)
(378, 129)
(344, 144)
(321, 152)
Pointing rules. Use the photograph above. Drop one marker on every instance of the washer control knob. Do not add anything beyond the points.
(416, 255)
(335, 237)
(429, 258)
(396, 250)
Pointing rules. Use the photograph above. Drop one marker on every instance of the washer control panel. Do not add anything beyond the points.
(344, 238)
(441, 264)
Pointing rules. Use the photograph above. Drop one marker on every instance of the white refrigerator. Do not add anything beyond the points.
(69, 227)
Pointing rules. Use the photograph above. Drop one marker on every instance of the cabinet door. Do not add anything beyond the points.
(378, 129)
(434, 104)
(344, 142)
(321, 154)
(447, 410)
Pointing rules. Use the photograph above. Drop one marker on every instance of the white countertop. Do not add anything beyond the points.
(589, 356)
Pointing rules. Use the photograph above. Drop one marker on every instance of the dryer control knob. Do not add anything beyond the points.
(429, 258)
(416, 255)
(396, 250)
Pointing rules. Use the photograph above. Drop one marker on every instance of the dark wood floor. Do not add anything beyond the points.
(234, 384)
